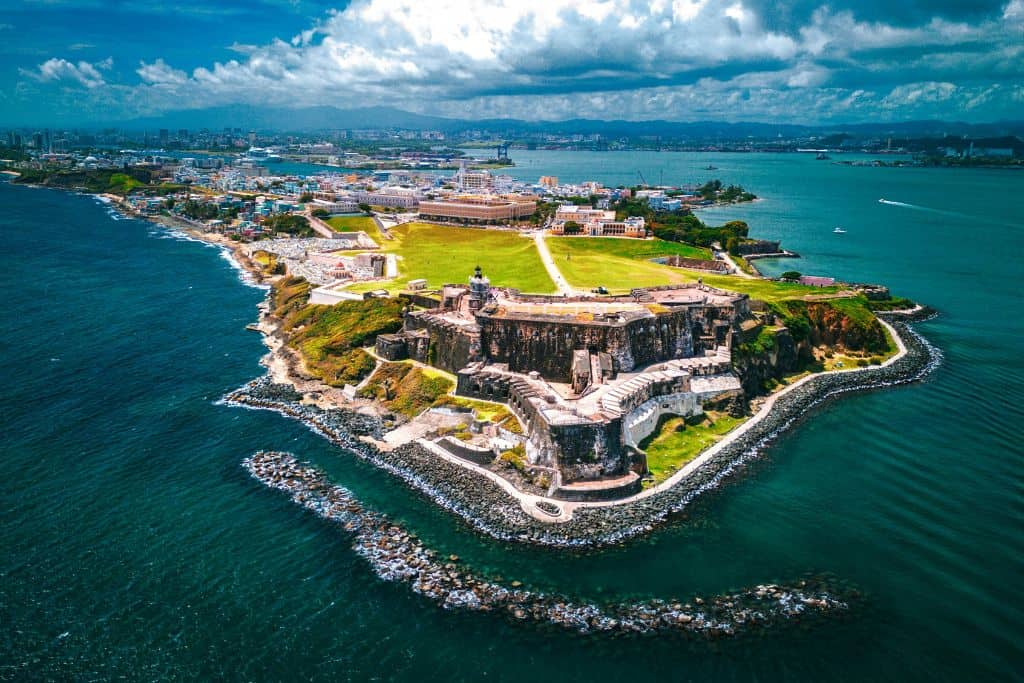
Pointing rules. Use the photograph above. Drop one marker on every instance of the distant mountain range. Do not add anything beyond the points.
(332, 118)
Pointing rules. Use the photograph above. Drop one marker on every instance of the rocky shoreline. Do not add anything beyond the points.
(397, 556)
(485, 507)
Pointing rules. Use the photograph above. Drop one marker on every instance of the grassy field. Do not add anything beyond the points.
(621, 265)
(442, 254)
(629, 248)
(677, 441)
(352, 224)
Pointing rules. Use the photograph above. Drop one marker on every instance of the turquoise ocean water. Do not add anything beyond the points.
(133, 545)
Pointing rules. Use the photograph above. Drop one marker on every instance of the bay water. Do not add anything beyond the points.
(133, 545)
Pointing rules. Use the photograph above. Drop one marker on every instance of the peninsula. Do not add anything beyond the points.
(564, 365)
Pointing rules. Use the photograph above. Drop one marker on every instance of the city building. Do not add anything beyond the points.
(473, 181)
(595, 223)
(479, 208)
(398, 197)
(335, 206)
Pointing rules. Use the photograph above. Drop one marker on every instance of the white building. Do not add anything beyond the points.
(401, 197)
(597, 222)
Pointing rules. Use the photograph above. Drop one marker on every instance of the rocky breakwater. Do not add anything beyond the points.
(487, 508)
(616, 523)
(396, 555)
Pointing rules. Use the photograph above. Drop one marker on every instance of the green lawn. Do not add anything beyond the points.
(631, 248)
(621, 265)
(443, 254)
(668, 450)
(352, 224)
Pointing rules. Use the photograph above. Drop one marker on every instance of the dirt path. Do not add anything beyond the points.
(549, 263)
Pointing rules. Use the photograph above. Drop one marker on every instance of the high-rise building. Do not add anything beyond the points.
(183, 134)
(37, 140)
(164, 136)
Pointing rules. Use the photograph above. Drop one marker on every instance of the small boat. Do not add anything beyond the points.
(822, 156)
(838, 231)
(709, 167)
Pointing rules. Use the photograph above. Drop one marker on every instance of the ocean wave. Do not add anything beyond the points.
(244, 275)
(160, 231)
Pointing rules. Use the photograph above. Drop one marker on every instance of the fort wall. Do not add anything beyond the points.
(547, 346)
(450, 346)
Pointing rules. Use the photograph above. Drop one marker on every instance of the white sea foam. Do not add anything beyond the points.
(244, 275)
(163, 232)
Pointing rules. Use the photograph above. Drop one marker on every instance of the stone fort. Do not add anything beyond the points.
(588, 376)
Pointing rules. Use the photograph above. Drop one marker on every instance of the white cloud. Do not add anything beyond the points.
(83, 73)
(598, 58)
(159, 73)
(921, 93)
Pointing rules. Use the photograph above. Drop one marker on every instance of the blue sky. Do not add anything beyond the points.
(801, 61)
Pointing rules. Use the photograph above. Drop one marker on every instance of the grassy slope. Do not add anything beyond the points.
(329, 337)
(405, 388)
(621, 265)
(444, 254)
(352, 224)
(668, 449)
(631, 248)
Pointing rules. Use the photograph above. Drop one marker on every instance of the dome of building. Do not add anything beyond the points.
(479, 278)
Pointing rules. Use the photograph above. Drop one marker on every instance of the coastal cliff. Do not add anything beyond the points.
(804, 333)
(329, 339)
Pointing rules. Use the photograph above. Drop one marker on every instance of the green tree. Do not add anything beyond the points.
(305, 197)
(790, 275)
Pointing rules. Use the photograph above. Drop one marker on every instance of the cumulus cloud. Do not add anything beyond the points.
(84, 73)
(159, 73)
(609, 58)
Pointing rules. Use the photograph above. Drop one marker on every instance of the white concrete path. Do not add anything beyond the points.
(736, 270)
(549, 263)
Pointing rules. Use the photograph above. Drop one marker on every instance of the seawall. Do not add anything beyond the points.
(489, 509)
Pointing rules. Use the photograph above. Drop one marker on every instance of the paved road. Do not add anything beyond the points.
(549, 262)
(739, 272)
(319, 226)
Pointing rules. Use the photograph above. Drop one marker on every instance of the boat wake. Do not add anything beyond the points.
(903, 204)
(941, 212)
